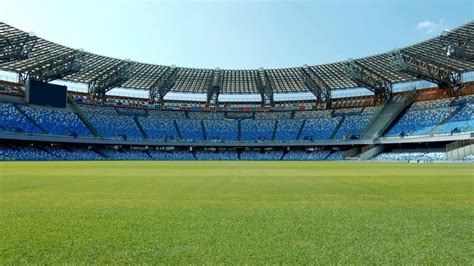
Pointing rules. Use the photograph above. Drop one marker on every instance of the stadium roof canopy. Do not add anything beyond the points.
(194, 80)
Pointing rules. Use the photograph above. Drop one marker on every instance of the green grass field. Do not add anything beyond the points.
(236, 212)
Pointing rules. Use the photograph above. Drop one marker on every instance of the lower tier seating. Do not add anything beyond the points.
(411, 156)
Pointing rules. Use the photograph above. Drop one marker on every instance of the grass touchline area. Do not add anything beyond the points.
(236, 212)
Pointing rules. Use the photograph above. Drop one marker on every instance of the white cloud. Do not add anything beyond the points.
(428, 26)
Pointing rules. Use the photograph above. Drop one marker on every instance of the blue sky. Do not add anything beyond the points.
(236, 34)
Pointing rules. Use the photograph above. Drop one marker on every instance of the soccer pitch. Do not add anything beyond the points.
(236, 212)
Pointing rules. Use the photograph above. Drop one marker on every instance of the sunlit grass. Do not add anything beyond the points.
(236, 212)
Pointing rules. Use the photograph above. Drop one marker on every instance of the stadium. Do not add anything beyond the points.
(89, 169)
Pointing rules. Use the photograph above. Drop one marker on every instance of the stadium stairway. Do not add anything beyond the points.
(239, 129)
(370, 151)
(352, 154)
(337, 127)
(274, 130)
(177, 129)
(300, 131)
(203, 129)
(389, 112)
(139, 126)
(459, 149)
(78, 111)
(29, 119)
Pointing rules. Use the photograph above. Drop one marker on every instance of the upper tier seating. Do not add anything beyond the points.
(353, 125)
(167, 114)
(12, 120)
(463, 121)
(419, 121)
(57, 122)
(131, 111)
(348, 111)
(272, 115)
(320, 128)
(423, 105)
(252, 130)
(239, 115)
(115, 126)
(312, 114)
(206, 115)
(223, 129)
(98, 110)
(158, 128)
(190, 129)
(288, 129)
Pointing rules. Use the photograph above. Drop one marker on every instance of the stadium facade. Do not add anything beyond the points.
(410, 104)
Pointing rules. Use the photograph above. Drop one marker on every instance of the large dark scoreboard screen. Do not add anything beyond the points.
(42, 93)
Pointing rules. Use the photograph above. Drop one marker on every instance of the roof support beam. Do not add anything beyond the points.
(112, 78)
(426, 69)
(363, 76)
(54, 68)
(316, 85)
(16, 47)
(214, 88)
(458, 46)
(265, 88)
(163, 85)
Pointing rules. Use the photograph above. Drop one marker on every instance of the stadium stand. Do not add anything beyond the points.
(420, 121)
(11, 120)
(297, 155)
(261, 156)
(115, 126)
(223, 129)
(352, 126)
(416, 156)
(175, 155)
(216, 156)
(320, 128)
(75, 154)
(288, 129)
(190, 129)
(26, 153)
(158, 128)
(336, 156)
(268, 127)
(124, 154)
(253, 130)
(57, 122)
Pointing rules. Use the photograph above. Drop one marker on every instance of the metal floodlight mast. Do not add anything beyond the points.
(214, 88)
(112, 78)
(426, 69)
(458, 46)
(363, 76)
(16, 47)
(163, 85)
(55, 67)
(316, 85)
(265, 88)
